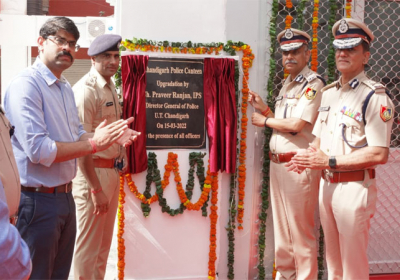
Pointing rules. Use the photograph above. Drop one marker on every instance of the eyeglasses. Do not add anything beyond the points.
(61, 42)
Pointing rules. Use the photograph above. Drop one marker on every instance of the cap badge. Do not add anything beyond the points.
(343, 26)
(386, 113)
(289, 34)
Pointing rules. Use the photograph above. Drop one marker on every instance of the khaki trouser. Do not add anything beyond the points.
(346, 210)
(95, 232)
(294, 200)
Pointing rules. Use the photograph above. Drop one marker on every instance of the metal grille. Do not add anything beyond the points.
(382, 17)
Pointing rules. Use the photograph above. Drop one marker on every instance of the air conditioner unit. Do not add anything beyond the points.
(96, 26)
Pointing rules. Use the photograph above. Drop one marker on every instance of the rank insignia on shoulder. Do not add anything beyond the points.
(108, 104)
(310, 93)
(354, 83)
(299, 78)
(386, 113)
(91, 81)
(311, 77)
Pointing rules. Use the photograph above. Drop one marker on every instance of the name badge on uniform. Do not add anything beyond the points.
(310, 93)
(279, 98)
(324, 109)
(108, 104)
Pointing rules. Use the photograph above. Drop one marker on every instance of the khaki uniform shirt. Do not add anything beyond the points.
(300, 98)
(342, 104)
(8, 167)
(97, 100)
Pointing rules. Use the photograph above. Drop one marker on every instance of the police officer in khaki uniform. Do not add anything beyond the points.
(15, 261)
(293, 196)
(97, 100)
(352, 136)
(9, 175)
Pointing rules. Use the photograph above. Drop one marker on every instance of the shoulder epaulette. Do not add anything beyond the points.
(377, 87)
(90, 81)
(312, 76)
(329, 86)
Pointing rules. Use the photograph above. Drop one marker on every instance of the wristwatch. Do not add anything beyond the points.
(332, 162)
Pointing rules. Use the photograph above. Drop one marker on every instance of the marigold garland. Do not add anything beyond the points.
(274, 271)
(299, 11)
(213, 224)
(176, 47)
(267, 133)
(331, 55)
(186, 196)
(153, 175)
(230, 228)
(121, 226)
(172, 165)
(348, 8)
(314, 49)
(288, 24)
(247, 62)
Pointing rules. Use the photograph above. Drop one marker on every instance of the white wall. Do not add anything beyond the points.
(173, 20)
(163, 247)
(14, 7)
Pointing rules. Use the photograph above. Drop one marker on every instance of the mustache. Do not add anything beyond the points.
(65, 53)
(290, 61)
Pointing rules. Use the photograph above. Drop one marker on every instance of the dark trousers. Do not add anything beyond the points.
(47, 223)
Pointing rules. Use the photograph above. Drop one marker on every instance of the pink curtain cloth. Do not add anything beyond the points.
(133, 71)
(220, 113)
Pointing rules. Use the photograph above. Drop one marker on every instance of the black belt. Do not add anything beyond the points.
(64, 188)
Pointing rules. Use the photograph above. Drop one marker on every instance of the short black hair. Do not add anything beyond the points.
(51, 27)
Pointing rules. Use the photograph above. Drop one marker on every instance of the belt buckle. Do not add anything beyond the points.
(66, 187)
(275, 158)
(14, 219)
(328, 175)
